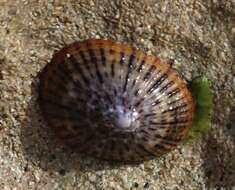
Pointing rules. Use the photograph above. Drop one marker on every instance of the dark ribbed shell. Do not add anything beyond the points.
(114, 102)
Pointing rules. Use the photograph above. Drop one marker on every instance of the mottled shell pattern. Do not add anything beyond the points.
(114, 102)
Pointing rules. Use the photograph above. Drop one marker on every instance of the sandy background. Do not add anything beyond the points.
(198, 36)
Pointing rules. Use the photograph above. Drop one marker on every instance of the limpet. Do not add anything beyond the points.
(114, 102)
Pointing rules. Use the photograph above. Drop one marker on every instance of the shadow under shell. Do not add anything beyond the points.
(114, 102)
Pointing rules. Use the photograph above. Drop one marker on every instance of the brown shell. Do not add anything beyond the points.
(112, 101)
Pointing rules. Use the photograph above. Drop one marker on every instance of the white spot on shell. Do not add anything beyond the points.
(123, 120)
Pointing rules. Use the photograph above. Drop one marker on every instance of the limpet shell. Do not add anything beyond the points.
(114, 102)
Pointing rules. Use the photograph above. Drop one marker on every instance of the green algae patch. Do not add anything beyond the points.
(203, 99)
